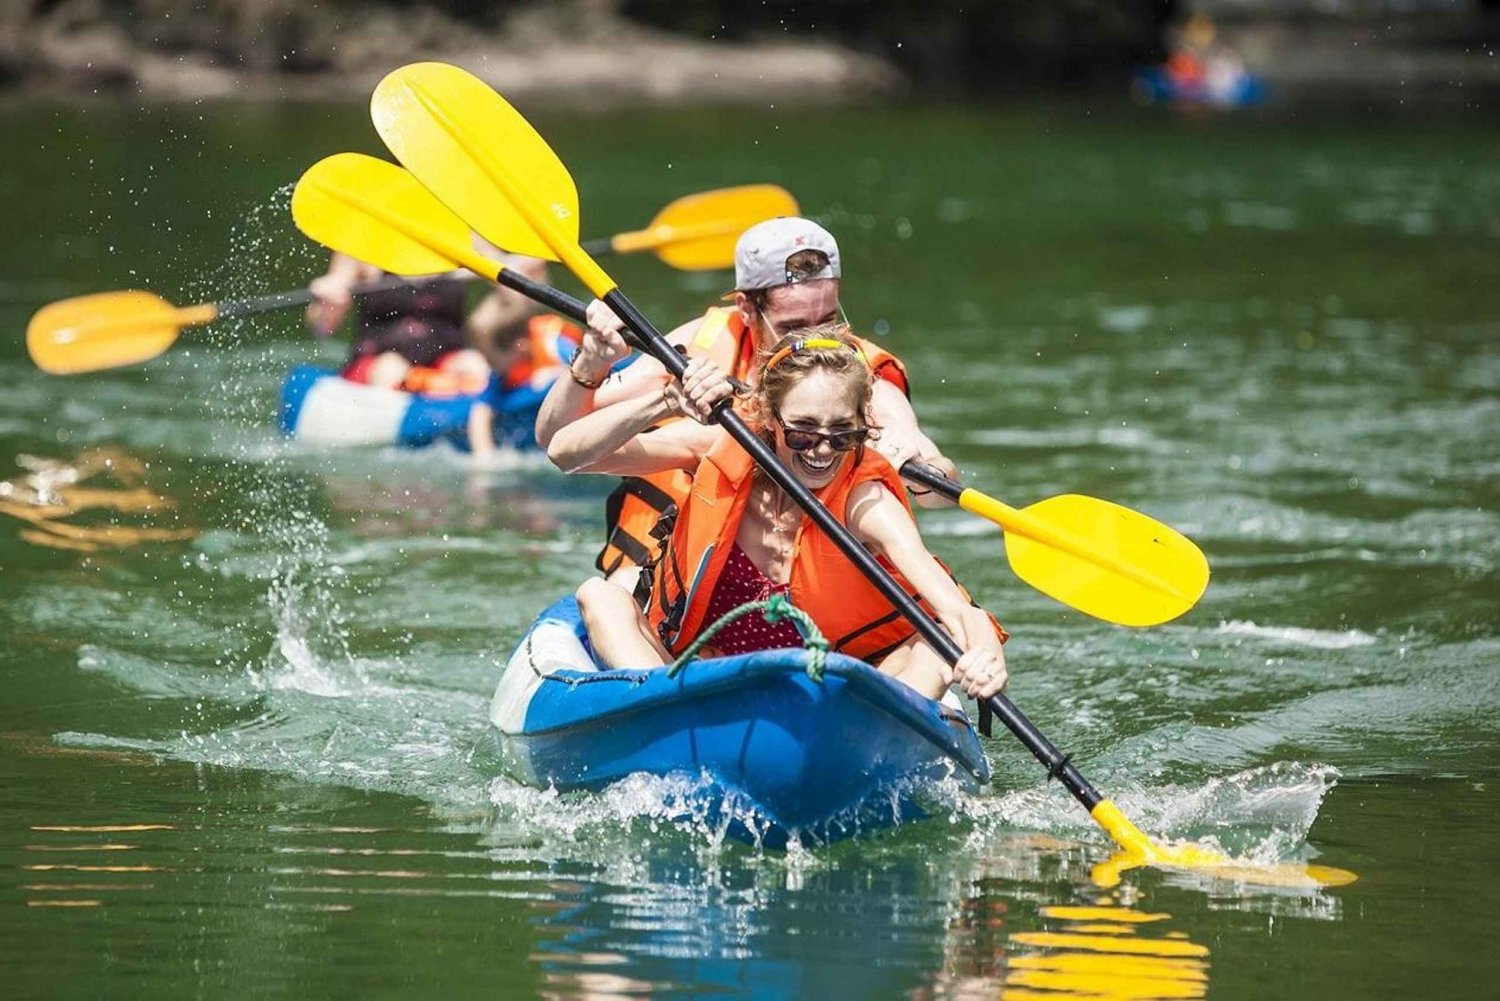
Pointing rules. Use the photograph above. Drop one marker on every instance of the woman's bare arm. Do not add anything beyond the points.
(567, 400)
(879, 520)
(616, 439)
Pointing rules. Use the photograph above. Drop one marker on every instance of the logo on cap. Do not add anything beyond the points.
(762, 254)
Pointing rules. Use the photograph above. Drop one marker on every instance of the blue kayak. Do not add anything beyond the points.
(769, 751)
(318, 407)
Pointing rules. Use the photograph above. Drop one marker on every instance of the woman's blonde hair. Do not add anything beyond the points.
(797, 355)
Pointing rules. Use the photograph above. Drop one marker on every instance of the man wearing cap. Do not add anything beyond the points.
(786, 278)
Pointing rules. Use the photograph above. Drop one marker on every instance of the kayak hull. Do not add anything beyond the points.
(766, 750)
(319, 407)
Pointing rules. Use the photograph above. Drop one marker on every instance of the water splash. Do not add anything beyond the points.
(311, 650)
(1260, 815)
(693, 808)
(1320, 639)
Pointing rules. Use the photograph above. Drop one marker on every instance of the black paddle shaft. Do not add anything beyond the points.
(1057, 763)
(931, 479)
(236, 308)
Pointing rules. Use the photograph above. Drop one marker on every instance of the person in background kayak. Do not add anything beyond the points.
(507, 352)
(410, 338)
(787, 277)
(527, 350)
(739, 537)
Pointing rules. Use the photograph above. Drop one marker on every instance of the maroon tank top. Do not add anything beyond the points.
(742, 581)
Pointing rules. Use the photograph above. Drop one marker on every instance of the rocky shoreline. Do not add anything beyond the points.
(564, 53)
(586, 52)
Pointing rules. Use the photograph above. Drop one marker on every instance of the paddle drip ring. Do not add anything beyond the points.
(774, 609)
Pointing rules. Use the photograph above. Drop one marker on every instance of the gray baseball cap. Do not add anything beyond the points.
(761, 254)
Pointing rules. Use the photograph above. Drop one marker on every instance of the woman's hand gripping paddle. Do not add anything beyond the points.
(480, 157)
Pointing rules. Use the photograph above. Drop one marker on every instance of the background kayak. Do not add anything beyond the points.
(318, 407)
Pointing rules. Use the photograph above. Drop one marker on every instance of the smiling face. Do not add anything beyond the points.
(789, 307)
(820, 401)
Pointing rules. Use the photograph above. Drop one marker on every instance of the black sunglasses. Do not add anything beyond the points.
(803, 440)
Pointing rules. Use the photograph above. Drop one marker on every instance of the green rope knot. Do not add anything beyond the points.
(774, 609)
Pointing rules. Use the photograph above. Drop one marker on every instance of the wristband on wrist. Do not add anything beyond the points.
(585, 383)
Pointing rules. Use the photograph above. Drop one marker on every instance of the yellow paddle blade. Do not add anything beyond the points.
(698, 232)
(375, 211)
(107, 330)
(1136, 850)
(1100, 558)
(478, 155)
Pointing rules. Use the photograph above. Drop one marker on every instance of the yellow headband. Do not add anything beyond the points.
(813, 343)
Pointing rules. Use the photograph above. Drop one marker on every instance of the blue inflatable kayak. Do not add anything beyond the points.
(320, 408)
(770, 751)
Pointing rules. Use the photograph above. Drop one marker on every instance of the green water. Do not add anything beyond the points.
(253, 760)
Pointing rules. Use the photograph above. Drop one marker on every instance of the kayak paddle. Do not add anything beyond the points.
(1093, 555)
(88, 333)
(374, 210)
(104, 330)
(485, 161)
(378, 212)
(698, 232)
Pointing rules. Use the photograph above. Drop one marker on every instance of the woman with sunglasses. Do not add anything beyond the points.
(738, 537)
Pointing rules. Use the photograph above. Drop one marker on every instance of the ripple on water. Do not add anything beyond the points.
(1320, 639)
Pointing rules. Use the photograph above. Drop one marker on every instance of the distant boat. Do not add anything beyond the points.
(1225, 86)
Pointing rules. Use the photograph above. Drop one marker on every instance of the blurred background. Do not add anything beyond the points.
(750, 50)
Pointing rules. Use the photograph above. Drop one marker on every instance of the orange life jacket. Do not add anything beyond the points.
(542, 358)
(856, 618)
(438, 381)
(548, 339)
(639, 504)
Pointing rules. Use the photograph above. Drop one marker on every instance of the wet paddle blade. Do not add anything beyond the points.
(698, 232)
(1213, 866)
(477, 155)
(1137, 850)
(106, 330)
(1105, 560)
(375, 211)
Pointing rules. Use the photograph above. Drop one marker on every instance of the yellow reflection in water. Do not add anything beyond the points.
(66, 880)
(51, 492)
(104, 828)
(1105, 953)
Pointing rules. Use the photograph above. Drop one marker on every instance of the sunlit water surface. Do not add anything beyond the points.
(245, 745)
